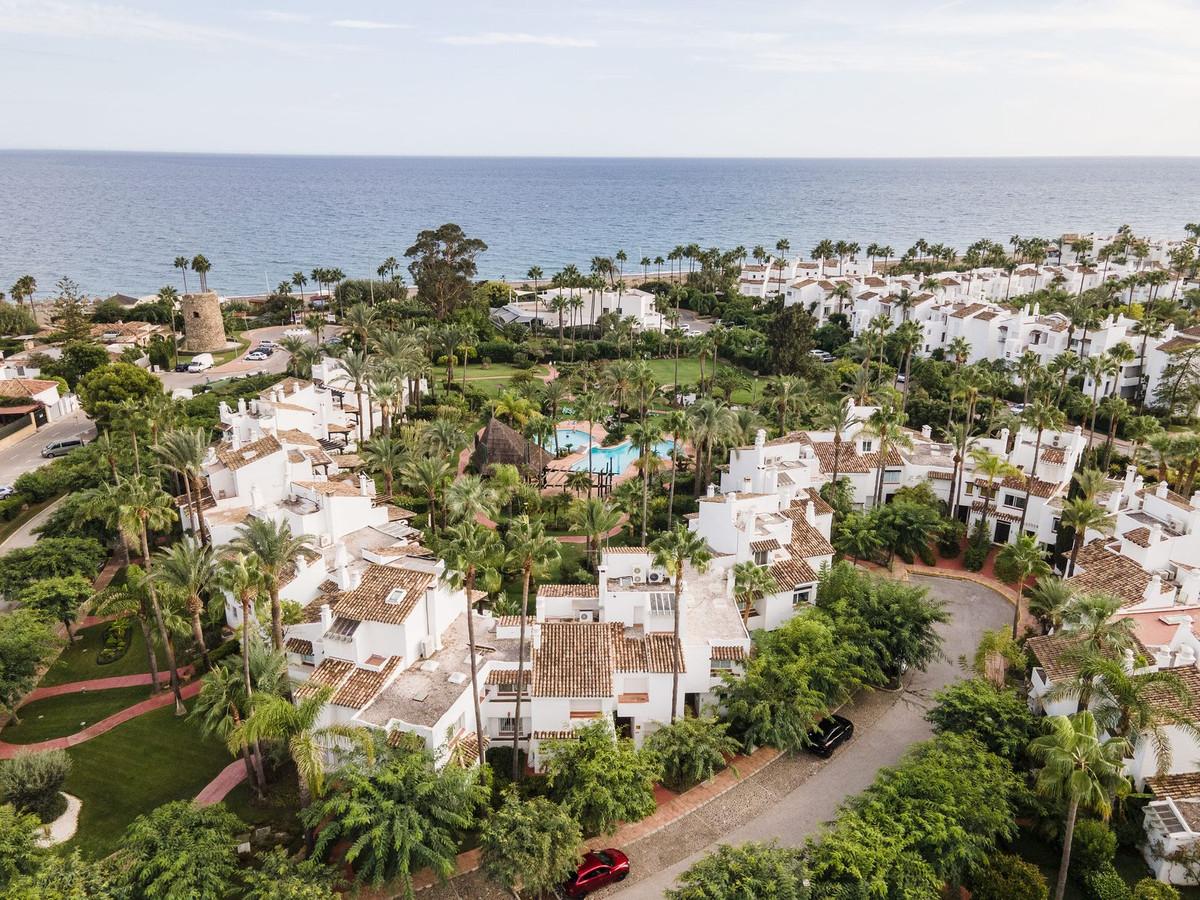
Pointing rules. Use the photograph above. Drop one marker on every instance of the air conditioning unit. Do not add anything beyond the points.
(656, 577)
(326, 540)
(637, 570)
(586, 616)
(427, 650)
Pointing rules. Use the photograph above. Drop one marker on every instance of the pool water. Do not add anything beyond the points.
(620, 457)
(571, 439)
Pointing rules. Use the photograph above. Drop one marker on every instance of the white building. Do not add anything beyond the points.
(641, 306)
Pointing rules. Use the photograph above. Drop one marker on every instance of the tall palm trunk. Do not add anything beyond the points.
(151, 658)
(198, 491)
(527, 571)
(276, 616)
(251, 771)
(675, 662)
(674, 475)
(470, 588)
(168, 649)
(1037, 452)
(1060, 886)
(195, 607)
(258, 756)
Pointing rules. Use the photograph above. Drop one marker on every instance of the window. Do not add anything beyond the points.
(891, 476)
(760, 557)
(718, 667)
(970, 488)
(801, 595)
(1014, 500)
(1054, 526)
(867, 446)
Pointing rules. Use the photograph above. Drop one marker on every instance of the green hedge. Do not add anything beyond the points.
(1106, 883)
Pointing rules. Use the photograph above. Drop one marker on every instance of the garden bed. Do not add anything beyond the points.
(80, 660)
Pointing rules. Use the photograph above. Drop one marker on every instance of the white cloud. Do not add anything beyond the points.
(366, 25)
(281, 17)
(496, 38)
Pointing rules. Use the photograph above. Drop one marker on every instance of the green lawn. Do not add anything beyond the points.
(136, 767)
(59, 716)
(78, 661)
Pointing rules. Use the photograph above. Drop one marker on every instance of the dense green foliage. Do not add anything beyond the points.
(1008, 877)
(691, 749)
(50, 557)
(745, 872)
(32, 781)
(999, 718)
(181, 850)
(530, 844)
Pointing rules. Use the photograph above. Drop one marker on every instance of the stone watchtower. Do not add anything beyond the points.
(203, 327)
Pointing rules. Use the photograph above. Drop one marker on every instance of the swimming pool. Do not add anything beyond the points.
(620, 456)
(572, 439)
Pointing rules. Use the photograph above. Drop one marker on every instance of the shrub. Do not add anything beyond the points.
(1106, 883)
(977, 547)
(32, 781)
(1149, 889)
(951, 538)
(1008, 877)
(692, 749)
(116, 642)
(11, 507)
(1093, 847)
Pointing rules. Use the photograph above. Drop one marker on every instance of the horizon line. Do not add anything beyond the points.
(552, 156)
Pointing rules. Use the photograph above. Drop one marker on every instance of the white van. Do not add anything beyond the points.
(200, 362)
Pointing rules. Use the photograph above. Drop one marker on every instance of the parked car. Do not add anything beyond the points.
(6, 491)
(829, 734)
(265, 343)
(181, 367)
(297, 332)
(598, 869)
(257, 355)
(61, 448)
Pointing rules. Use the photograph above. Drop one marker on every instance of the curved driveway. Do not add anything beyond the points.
(790, 799)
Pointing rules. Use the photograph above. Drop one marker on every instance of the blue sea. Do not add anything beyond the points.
(116, 221)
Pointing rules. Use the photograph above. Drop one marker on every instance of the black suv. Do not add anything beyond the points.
(830, 734)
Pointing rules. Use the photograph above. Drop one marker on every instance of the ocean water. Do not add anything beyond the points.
(116, 221)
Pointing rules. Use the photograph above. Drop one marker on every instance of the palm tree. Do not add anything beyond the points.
(130, 599)
(243, 576)
(384, 455)
(594, 519)
(992, 467)
(470, 497)
(470, 552)
(1049, 599)
(278, 552)
(1082, 514)
(183, 452)
(676, 424)
(752, 582)
(182, 263)
(1041, 416)
(145, 508)
(443, 437)
(645, 435)
(711, 423)
(1080, 769)
(838, 416)
(673, 550)
(784, 391)
(531, 550)
(299, 279)
(191, 570)
(201, 266)
(886, 424)
(1025, 557)
(429, 476)
(279, 720)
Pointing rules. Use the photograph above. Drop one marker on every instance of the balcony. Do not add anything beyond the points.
(628, 698)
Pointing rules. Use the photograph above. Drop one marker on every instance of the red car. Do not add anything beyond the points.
(599, 868)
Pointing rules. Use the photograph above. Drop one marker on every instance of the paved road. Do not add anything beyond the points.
(789, 813)
(276, 363)
(24, 536)
(26, 455)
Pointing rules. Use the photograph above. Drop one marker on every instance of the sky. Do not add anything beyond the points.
(604, 77)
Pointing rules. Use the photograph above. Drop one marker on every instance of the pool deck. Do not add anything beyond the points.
(558, 470)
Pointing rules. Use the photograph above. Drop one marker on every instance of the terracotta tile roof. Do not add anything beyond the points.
(298, 645)
(808, 542)
(728, 653)
(575, 660)
(464, 749)
(1164, 699)
(318, 457)
(994, 512)
(331, 488)
(792, 437)
(935, 475)
(565, 734)
(24, 387)
(618, 550)
(652, 653)
(1137, 536)
(1109, 573)
(764, 545)
(791, 573)
(1054, 455)
(849, 462)
(1174, 345)
(968, 310)
(248, 453)
(295, 456)
(585, 591)
(504, 676)
(986, 316)
(1038, 488)
(361, 686)
(369, 601)
(330, 673)
(1050, 652)
(820, 507)
(287, 386)
(1182, 786)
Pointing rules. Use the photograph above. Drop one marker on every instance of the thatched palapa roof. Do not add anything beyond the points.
(499, 444)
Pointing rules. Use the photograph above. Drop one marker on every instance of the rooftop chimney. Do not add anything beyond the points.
(927, 432)
(711, 491)
(760, 438)
(235, 437)
(242, 404)
(1130, 478)
(747, 483)
(810, 513)
(326, 616)
(365, 487)
(1155, 534)
(1154, 588)
(1160, 490)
